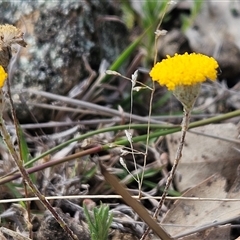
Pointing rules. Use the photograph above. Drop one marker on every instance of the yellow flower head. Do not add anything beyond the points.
(184, 70)
(3, 76)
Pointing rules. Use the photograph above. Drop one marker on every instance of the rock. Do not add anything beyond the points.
(59, 34)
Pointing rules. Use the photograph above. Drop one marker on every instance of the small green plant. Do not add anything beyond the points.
(99, 221)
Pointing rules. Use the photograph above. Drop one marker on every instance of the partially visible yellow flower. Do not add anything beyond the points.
(3, 76)
(186, 69)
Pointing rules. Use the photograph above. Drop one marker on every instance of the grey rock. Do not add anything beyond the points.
(58, 34)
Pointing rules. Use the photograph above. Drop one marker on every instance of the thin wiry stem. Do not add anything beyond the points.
(147, 139)
(16, 126)
(178, 156)
(151, 101)
(18, 161)
(158, 26)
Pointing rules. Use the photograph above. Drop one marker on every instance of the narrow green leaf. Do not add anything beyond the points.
(124, 55)
(12, 188)
(24, 151)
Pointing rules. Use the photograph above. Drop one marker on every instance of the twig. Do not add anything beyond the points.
(18, 161)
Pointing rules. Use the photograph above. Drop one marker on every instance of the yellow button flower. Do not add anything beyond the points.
(186, 69)
(3, 76)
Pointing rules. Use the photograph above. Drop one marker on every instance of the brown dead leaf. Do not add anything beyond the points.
(214, 233)
(204, 156)
(2, 237)
(189, 216)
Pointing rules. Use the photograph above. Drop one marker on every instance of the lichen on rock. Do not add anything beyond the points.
(58, 34)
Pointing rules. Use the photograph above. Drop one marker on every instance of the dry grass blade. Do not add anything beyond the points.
(14, 234)
(134, 204)
(88, 105)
